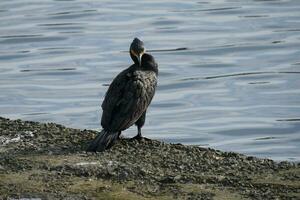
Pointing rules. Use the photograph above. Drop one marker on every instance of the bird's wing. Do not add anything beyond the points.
(130, 100)
(112, 97)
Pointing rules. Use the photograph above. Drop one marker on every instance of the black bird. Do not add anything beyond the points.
(127, 98)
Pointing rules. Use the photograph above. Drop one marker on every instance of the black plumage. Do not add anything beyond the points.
(127, 98)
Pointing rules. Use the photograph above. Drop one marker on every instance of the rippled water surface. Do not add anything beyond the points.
(229, 69)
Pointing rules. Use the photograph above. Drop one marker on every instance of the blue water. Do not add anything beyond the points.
(229, 69)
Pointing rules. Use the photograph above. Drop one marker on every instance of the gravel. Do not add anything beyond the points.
(48, 161)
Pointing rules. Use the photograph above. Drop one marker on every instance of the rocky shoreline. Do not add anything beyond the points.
(48, 161)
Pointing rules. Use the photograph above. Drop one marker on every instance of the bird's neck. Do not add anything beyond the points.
(134, 59)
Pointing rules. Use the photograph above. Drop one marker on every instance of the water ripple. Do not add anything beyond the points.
(228, 70)
(239, 75)
(18, 40)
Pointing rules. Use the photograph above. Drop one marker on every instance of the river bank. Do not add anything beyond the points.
(48, 161)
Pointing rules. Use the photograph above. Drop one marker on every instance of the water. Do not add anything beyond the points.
(229, 69)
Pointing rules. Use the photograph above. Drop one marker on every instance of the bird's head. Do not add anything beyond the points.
(137, 50)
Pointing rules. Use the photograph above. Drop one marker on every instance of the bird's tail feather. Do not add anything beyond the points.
(103, 140)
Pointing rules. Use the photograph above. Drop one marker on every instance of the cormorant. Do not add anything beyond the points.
(127, 98)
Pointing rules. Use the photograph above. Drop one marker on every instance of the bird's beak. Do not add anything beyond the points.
(139, 57)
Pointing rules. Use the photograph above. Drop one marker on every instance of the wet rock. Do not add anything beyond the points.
(49, 161)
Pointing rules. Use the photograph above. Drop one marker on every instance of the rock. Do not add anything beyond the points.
(49, 161)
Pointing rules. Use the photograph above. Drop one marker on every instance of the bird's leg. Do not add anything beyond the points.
(140, 123)
(139, 135)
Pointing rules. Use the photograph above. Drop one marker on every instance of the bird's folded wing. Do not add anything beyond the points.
(132, 100)
(112, 98)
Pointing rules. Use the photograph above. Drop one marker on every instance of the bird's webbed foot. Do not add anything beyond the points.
(137, 137)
